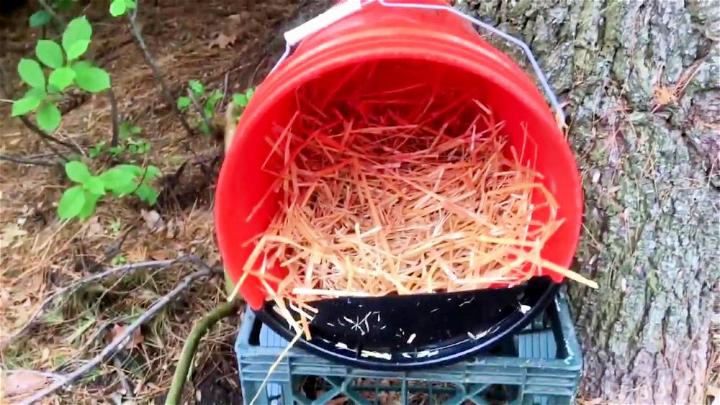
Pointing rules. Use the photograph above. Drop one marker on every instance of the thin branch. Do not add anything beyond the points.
(183, 366)
(137, 36)
(47, 138)
(121, 340)
(27, 161)
(115, 116)
(71, 288)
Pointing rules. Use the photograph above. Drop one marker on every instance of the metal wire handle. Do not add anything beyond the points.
(560, 115)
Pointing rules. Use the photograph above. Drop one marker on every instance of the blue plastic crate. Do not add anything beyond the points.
(539, 366)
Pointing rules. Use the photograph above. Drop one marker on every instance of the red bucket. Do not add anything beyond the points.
(375, 48)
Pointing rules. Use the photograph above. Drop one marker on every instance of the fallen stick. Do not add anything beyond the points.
(121, 340)
(71, 288)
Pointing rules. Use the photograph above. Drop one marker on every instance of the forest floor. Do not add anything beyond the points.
(227, 46)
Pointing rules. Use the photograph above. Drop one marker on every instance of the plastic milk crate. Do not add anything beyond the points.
(539, 366)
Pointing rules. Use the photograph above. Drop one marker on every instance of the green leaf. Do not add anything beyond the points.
(118, 8)
(30, 101)
(91, 78)
(96, 150)
(31, 73)
(48, 117)
(183, 102)
(94, 185)
(239, 99)
(151, 172)
(116, 150)
(77, 171)
(250, 93)
(204, 128)
(136, 171)
(39, 18)
(211, 103)
(147, 194)
(127, 129)
(89, 207)
(49, 53)
(118, 260)
(196, 87)
(77, 49)
(71, 202)
(118, 181)
(78, 30)
(130, 4)
(63, 5)
(61, 78)
(143, 147)
(124, 130)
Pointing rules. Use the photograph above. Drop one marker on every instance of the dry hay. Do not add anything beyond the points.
(377, 206)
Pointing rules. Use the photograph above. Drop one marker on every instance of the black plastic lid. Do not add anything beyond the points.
(403, 332)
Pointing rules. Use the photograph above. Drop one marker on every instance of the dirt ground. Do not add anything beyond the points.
(227, 45)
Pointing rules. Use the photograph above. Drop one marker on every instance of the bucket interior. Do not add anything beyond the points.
(413, 89)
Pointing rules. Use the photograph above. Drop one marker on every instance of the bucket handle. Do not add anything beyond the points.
(349, 7)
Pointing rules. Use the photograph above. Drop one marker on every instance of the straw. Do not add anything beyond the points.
(374, 205)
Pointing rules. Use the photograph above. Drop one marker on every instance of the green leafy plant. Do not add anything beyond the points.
(80, 200)
(242, 99)
(120, 7)
(207, 103)
(115, 226)
(118, 260)
(43, 17)
(65, 70)
(131, 143)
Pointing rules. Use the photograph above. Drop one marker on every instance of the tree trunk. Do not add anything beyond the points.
(641, 83)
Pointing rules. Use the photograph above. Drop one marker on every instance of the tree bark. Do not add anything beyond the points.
(641, 80)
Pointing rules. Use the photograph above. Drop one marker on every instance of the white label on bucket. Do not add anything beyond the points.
(330, 16)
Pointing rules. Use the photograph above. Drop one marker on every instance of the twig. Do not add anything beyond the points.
(46, 374)
(121, 340)
(199, 110)
(52, 13)
(28, 161)
(127, 268)
(123, 378)
(137, 36)
(47, 139)
(183, 366)
(115, 116)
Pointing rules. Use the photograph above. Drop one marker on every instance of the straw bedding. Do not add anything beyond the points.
(379, 206)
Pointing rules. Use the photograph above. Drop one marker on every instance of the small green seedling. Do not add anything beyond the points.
(118, 260)
(120, 7)
(207, 103)
(130, 142)
(242, 99)
(80, 201)
(65, 69)
(115, 226)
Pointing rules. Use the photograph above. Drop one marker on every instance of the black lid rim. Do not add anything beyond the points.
(446, 355)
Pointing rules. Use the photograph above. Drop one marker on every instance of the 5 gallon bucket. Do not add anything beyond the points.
(371, 47)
